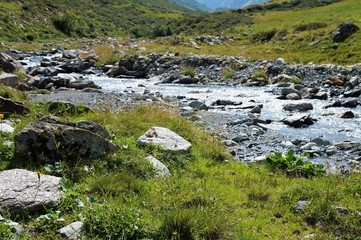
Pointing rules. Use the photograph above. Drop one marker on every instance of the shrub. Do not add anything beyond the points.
(257, 76)
(189, 71)
(229, 74)
(65, 24)
(293, 165)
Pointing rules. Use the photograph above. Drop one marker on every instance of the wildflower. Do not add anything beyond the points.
(38, 173)
(1, 116)
(357, 195)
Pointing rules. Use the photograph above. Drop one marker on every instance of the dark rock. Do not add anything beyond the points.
(343, 31)
(186, 80)
(8, 107)
(287, 91)
(320, 95)
(352, 103)
(136, 73)
(301, 107)
(353, 93)
(81, 84)
(52, 140)
(299, 120)
(25, 191)
(348, 114)
(220, 102)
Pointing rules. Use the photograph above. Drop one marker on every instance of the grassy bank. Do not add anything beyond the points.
(208, 196)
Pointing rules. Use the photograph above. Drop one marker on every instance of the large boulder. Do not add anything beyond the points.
(343, 31)
(51, 140)
(299, 120)
(22, 191)
(9, 64)
(9, 79)
(165, 139)
(7, 107)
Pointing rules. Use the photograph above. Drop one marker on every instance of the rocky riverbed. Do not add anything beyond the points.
(256, 107)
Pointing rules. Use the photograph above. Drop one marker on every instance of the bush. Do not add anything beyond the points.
(229, 74)
(65, 24)
(293, 165)
(189, 71)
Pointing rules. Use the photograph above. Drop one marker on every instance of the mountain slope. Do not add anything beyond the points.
(192, 4)
(229, 4)
(37, 18)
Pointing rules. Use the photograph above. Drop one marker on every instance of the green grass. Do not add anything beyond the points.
(208, 196)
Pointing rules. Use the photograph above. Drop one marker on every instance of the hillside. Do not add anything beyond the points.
(192, 4)
(229, 4)
(35, 19)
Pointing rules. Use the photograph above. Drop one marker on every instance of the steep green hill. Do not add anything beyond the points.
(39, 19)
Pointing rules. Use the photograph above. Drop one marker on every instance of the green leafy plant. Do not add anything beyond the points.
(5, 229)
(50, 222)
(70, 199)
(293, 165)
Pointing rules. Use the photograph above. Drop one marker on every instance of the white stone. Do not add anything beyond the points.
(161, 169)
(6, 128)
(165, 139)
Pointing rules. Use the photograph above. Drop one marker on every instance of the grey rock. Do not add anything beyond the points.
(321, 96)
(166, 139)
(161, 169)
(69, 54)
(52, 140)
(256, 109)
(23, 191)
(293, 96)
(343, 31)
(321, 142)
(308, 146)
(9, 79)
(301, 205)
(286, 91)
(301, 107)
(240, 138)
(9, 64)
(354, 81)
(81, 84)
(8, 107)
(299, 120)
(72, 231)
(199, 105)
